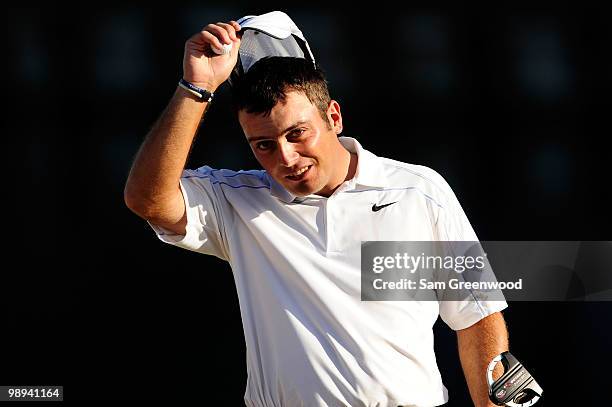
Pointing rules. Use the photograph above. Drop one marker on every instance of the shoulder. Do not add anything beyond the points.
(230, 178)
(400, 174)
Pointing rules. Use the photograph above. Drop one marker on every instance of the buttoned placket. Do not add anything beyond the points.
(334, 211)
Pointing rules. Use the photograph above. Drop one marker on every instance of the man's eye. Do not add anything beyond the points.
(297, 132)
(264, 145)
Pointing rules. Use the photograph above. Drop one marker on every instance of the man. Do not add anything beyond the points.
(292, 234)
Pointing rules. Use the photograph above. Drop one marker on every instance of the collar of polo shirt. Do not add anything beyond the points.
(369, 172)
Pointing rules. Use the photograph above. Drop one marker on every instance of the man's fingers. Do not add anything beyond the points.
(235, 25)
(211, 39)
(220, 32)
(230, 30)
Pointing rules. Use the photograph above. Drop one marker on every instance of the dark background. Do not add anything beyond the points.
(509, 104)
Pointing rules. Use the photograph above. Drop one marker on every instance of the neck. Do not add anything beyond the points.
(352, 167)
(346, 171)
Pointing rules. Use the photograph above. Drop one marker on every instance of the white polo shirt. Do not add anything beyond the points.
(310, 340)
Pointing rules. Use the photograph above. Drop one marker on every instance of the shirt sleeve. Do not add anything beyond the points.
(453, 225)
(204, 230)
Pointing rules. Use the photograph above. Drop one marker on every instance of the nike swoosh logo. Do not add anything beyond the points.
(376, 208)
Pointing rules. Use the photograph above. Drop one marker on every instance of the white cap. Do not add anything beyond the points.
(270, 34)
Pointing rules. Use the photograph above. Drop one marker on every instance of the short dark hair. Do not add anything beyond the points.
(271, 78)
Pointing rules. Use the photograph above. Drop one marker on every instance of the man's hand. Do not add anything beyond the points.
(478, 345)
(201, 65)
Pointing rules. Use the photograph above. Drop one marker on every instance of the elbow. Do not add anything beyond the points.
(131, 201)
(137, 203)
(148, 207)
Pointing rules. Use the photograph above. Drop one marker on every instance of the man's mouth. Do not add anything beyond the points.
(299, 174)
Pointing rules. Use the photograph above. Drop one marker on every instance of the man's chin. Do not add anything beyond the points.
(300, 189)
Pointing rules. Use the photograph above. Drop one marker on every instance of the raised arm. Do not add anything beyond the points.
(152, 189)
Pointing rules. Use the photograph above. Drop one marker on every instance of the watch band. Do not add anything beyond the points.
(199, 92)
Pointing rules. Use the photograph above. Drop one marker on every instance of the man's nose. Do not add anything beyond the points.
(288, 154)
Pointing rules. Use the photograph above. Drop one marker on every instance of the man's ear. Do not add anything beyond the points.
(334, 116)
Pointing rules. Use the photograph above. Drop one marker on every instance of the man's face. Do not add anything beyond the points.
(296, 146)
